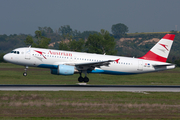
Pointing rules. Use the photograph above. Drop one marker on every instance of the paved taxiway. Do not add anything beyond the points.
(128, 88)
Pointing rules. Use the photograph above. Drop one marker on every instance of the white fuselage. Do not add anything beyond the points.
(48, 58)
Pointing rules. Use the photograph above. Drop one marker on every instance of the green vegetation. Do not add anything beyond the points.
(12, 74)
(87, 105)
(101, 43)
(72, 45)
(131, 44)
(42, 42)
(119, 30)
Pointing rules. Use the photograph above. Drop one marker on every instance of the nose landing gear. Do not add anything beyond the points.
(25, 73)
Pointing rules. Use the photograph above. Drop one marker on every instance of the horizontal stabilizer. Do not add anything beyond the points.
(170, 64)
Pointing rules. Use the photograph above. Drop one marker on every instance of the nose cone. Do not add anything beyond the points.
(6, 58)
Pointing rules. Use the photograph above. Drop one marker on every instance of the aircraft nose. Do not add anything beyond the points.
(6, 57)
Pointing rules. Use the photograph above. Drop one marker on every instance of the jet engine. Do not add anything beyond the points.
(63, 70)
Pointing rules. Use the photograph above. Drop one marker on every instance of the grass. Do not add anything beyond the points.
(90, 105)
(12, 74)
(87, 105)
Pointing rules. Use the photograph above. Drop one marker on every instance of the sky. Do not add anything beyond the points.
(25, 16)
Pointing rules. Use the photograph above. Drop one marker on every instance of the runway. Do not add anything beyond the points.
(127, 88)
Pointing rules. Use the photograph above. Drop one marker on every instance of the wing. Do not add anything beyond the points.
(92, 65)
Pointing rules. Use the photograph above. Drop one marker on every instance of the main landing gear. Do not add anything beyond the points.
(85, 79)
(25, 73)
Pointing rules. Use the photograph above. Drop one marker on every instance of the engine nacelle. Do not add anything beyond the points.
(63, 70)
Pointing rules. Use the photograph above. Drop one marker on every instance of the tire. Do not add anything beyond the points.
(86, 79)
(80, 79)
(24, 74)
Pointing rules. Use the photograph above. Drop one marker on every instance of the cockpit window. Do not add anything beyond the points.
(15, 52)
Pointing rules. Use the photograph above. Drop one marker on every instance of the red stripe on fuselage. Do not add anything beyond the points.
(152, 56)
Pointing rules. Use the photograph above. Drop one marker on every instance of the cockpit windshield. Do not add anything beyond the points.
(15, 52)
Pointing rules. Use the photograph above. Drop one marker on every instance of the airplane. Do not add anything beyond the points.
(67, 62)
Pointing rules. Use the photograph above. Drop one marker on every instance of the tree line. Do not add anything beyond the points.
(65, 38)
(99, 43)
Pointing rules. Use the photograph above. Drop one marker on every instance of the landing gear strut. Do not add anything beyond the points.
(25, 73)
(85, 79)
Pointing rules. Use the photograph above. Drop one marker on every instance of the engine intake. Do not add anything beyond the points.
(63, 70)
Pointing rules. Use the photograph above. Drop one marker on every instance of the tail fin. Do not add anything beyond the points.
(160, 51)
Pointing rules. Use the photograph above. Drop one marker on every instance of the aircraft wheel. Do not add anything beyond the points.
(86, 79)
(24, 74)
(80, 79)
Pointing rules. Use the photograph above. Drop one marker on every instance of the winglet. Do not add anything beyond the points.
(117, 60)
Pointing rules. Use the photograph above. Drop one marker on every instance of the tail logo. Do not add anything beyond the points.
(41, 53)
(165, 46)
(160, 51)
